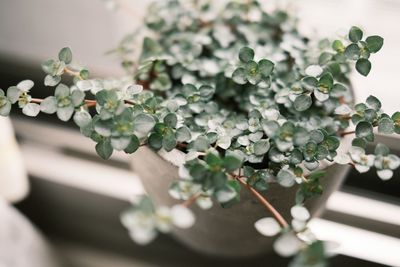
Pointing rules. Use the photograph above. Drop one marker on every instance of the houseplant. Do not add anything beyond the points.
(242, 98)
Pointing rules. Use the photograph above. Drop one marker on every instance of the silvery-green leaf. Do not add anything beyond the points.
(49, 105)
(25, 85)
(302, 102)
(343, 159)
(287, 245)
(143, 236)
(385, 174)
(386, 126)
(261, 147)
(82, 118)
(65, 113)
(84, 85)
(224, 142)
(320, 96)
(182, 217)
(300, 213)
(361, 168)
(120, 143)
(266, 67)
(163, 220)
(204, 203)
(267, 226)
(363, 66)
(65, 55)
(364, 129)
(13, 94)
(374, 103)
(239, 76)
(394, 161)
(243, 140)
(77, 97)
(311, 165)
(143, 123)
(285, 178)
(52, 80)
(270, 128)
(61, 91)
(183, 134)
(343, 109)
(31, 110)
(134, 89)
(225, 195)
(246, 54)
(5, 110)
(313, 70)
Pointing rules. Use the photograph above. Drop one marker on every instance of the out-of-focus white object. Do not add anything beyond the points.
(14, 184)
(20, 243)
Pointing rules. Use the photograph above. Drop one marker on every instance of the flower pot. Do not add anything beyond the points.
(225, 232)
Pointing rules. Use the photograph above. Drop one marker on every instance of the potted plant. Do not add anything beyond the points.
(234, 118)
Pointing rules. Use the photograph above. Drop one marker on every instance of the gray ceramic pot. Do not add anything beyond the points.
(218, 231)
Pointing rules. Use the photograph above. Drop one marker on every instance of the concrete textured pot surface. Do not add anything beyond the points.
(225, 232)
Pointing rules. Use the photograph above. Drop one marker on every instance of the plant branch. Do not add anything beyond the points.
(88, 102)
(191, 200)
(265, 203)
(73, 73)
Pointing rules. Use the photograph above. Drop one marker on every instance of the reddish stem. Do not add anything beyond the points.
(265, 203)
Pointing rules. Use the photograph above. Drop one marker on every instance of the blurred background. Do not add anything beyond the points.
(78, 212)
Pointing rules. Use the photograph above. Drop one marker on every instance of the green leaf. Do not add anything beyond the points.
(239, 76)
(49, 105)
(144, 123)
(65, 55)
(31, 110)
(352, 52)
(82, 118)
(155, 141)
(302, 102)
(385, 126)
(265, 67)
(171, 120)
(84, 74)
(133, 145)
(338, 46)
(261, 147)
(374, 43)
(169, 141)
(232, 163)
(355, 34)
(246, 54)
(364, 129)
(363, 66)
(104, 149)
(374, 103)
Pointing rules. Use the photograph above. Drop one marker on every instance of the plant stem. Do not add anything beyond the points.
(265, 202)
(191, 200)
(73, 73)
(347, 133)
